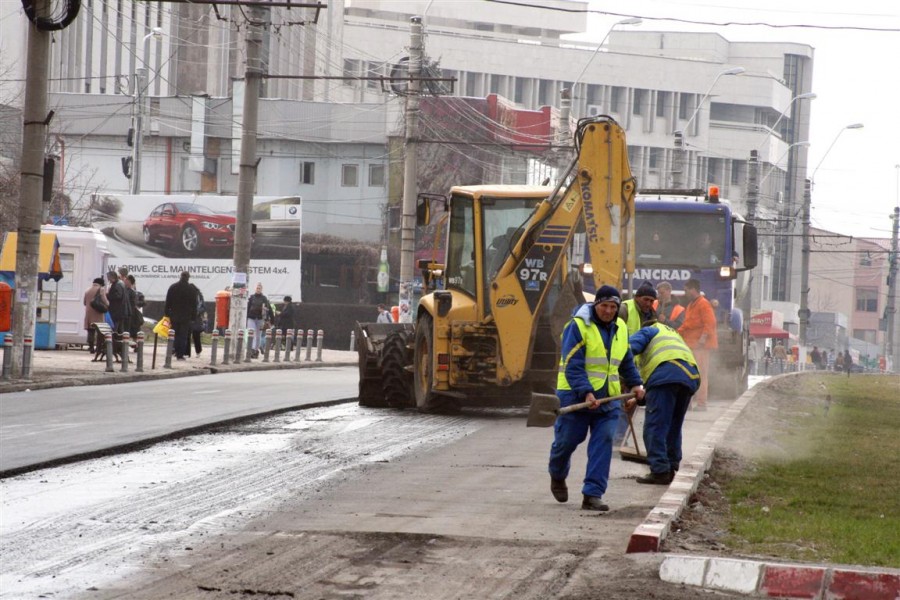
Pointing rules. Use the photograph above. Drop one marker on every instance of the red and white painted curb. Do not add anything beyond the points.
(648, 536)
(781, 580)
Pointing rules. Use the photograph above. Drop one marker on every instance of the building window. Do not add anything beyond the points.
(350, 175)
(308, 172)
(662, 102)
(376, 175)
(655, 161)
(374, 70)
(615, 99)
(637, 107)
(867, 300)
(736, 172)
(865, 260)
(684, 107)
(351, 69)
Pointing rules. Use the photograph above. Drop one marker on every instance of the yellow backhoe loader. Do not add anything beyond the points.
(490, 335)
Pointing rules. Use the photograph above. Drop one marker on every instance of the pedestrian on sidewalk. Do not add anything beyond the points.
(699, 332)
(136, 320)
(595, 358)
(199, 324)
(384, 315)
(671, 376)
(119, 306)
(181, 308)
(286, 320)
(259, 310)
(91, 314)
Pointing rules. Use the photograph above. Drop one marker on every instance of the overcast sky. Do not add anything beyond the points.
(856, 77)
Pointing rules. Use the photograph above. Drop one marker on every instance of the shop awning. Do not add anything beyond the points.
(767, 331)
(48, 262)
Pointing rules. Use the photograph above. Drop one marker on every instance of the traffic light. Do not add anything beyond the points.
(126, 166)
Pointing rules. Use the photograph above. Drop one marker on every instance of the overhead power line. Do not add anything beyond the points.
(697, 22)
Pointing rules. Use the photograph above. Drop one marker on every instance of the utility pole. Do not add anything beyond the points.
(410, 172)
(140, 81)
(34, 135)
(891, 308)
(752, 202)
(243, 232)
(804, 265)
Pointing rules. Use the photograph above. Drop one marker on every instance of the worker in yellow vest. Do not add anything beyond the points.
(594, 363)
(671, 377)
(640, 309)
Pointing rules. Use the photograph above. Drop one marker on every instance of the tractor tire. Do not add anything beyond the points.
(397, 380)
(426, 400)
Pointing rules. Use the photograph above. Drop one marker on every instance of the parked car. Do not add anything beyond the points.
(189, 227)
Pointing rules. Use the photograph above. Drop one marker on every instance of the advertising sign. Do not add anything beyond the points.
(158, 237)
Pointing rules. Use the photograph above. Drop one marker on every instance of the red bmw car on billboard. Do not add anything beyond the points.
(189, 227)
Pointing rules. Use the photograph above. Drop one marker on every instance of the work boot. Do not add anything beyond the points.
(593, 503)
(657, 478)
(559, 490)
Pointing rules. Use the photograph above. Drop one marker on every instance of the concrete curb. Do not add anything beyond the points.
(648, 536)
(781, 580)
(104, 378)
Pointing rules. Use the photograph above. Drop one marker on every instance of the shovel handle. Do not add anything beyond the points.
(573, 407)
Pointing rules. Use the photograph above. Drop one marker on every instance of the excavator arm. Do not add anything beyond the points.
(600, 190)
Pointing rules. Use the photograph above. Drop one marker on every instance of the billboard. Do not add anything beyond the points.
(156, 237)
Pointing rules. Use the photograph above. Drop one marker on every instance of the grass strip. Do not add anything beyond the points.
(838, 499)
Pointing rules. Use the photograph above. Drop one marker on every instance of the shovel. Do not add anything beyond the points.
(545, 408)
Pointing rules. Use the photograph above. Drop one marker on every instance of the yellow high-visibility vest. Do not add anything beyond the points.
(665, 346)
(600, 368)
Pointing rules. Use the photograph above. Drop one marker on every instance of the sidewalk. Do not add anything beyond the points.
(62, 368)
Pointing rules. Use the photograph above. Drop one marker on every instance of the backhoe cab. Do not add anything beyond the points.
(491, 334)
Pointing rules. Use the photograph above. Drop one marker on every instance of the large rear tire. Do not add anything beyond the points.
(423, 366)
(397, 380)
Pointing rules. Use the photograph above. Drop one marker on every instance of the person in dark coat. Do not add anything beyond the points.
(119, 306)
(199, 324)
(92, 315)
(181, 308)
(286, 318)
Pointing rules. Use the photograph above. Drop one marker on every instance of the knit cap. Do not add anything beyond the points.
(608, 293)
(645, 289)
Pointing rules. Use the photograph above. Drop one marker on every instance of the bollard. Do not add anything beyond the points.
(320, 341)
(170, 349)
(7, 356)
(226, 351)
(288, 344)
(139, 366)
(126, 348)
(27, 354)
(215, 347)
(250, 335)
(239, 346)
(352, 340)
(267, 345)
(298, 354)
(309, 342)
(277, 341)
(109, 353)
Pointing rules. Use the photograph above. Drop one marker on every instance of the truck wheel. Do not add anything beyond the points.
(423, 360)
(396, 378)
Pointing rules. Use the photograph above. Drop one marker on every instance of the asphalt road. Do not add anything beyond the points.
(49, 425)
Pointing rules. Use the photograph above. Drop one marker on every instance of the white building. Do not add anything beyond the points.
(651, 82)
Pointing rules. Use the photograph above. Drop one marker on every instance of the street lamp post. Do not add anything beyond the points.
(804, 262)
(680, 151)
(806, 96)
(140, 83)
(566, 94)
(785, 153)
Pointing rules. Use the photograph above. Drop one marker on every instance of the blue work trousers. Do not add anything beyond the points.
(572, 429)
(666, 406)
